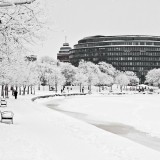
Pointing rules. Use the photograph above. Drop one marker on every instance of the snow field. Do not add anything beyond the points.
(43, 134)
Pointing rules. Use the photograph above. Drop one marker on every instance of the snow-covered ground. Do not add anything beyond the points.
(141, 111)
(40, 133)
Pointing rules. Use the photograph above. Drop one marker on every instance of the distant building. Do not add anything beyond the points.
(63, 55)
(31, 58)
(135, 53)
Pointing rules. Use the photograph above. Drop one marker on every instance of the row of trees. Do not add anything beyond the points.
(87, 73)
(17, 71)
(21, 73)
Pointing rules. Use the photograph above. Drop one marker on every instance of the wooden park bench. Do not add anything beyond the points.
(3, 103)
(7, 116)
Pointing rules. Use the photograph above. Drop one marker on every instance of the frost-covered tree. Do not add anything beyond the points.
(29, 78)
(18, 72)
(44, 68)
(104, 79)
(153, 77)
(33, 76)
(122, 80)
(91, 71)
(20, 26)
(133, 79)
(24, 73)
(107, 68)
(6, 3)
(49, 60)
(69, 72)
(56, 77)
(6, 75)
(80, 79)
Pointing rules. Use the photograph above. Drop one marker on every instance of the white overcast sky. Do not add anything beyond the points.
(77, 19)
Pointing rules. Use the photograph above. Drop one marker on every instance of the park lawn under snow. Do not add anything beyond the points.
(40, 133)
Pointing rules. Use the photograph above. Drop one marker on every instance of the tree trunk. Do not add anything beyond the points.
(31, 89)
(28, 90)
(2, 91)
(99, 88)
(39, 87)
(6, 91)
(24, 89)
(34, 91)
(12, 92)
(80, 88)
(56, 87)
(20, 90)
(121, 88)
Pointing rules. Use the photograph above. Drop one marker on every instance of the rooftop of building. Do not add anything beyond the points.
(65, 48)
(119, 37)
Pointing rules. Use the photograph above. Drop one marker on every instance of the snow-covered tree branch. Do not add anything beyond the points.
(6, 3)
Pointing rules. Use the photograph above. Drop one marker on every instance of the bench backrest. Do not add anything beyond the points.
(7, 114)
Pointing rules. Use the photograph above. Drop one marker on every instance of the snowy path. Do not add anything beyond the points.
(40, 133)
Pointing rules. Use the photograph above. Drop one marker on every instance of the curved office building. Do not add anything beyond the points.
(126, 53)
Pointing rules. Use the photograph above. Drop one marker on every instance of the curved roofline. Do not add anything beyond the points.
(101, 36)
(118, 37)
(96, 36)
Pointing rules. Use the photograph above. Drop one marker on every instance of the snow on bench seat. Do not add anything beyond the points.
(7, 116)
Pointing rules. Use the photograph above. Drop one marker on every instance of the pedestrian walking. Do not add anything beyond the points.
(15, 94)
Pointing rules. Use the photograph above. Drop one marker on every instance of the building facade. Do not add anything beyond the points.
(126, 53)
(63, 55)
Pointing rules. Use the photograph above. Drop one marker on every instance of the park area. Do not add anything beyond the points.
(93, 126)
